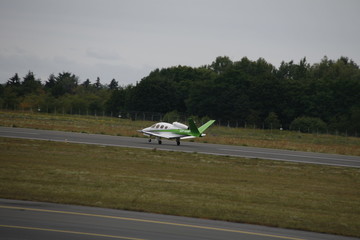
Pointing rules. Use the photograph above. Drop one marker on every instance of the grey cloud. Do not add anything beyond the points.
(102, 54)
(115, 39)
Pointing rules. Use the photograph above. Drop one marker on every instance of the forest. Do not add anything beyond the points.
(319, 97)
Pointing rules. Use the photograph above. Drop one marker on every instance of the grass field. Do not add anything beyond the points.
(235, 136)
(291, 195)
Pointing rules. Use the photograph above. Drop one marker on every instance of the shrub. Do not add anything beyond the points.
(272, 121)
(308, 124)
(171, 116)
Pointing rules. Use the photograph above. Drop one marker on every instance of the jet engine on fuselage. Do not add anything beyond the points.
(180, 125)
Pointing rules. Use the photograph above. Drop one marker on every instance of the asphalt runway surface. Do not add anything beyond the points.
(37, 220)
(215, 149)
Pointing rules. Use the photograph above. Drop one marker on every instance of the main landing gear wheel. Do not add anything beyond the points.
(149, 140)
(178, 141)
(160, 142)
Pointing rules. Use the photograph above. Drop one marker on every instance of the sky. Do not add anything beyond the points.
(127, 39)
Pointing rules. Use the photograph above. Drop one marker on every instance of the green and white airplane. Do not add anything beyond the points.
(175, 130)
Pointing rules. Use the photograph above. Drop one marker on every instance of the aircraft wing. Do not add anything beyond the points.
(168, 135)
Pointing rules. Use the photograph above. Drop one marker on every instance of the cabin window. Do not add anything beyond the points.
(157, 126)
(162, 126)
(166, 127)
(153, 126)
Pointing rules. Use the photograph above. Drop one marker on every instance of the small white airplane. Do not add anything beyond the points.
(175, 130)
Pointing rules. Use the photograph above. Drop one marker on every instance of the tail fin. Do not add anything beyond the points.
(198, 132)
(193, 129)
(205, 126)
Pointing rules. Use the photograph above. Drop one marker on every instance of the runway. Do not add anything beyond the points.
(215, 149)
(36, 220)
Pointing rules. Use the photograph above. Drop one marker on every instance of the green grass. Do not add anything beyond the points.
(235, 136)
(291, 195)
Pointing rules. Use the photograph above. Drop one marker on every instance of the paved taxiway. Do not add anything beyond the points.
(36, 220)
(216, 149)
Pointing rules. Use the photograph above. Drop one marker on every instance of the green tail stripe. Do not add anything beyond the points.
(193, 129)
(205, 126)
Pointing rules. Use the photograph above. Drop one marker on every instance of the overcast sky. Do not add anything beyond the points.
(128, 39)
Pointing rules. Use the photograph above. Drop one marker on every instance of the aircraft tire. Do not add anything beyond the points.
(160, 141)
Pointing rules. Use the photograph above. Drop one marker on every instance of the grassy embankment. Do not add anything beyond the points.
(291, 195)
(215, 134)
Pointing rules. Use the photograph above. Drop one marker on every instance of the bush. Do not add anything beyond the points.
(171, 116)
(308, 124)
(205, 119)
(272, 121)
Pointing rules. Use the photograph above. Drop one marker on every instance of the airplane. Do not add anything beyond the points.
(175, 130)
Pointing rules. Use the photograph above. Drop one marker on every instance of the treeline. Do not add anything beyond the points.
(299, 96)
